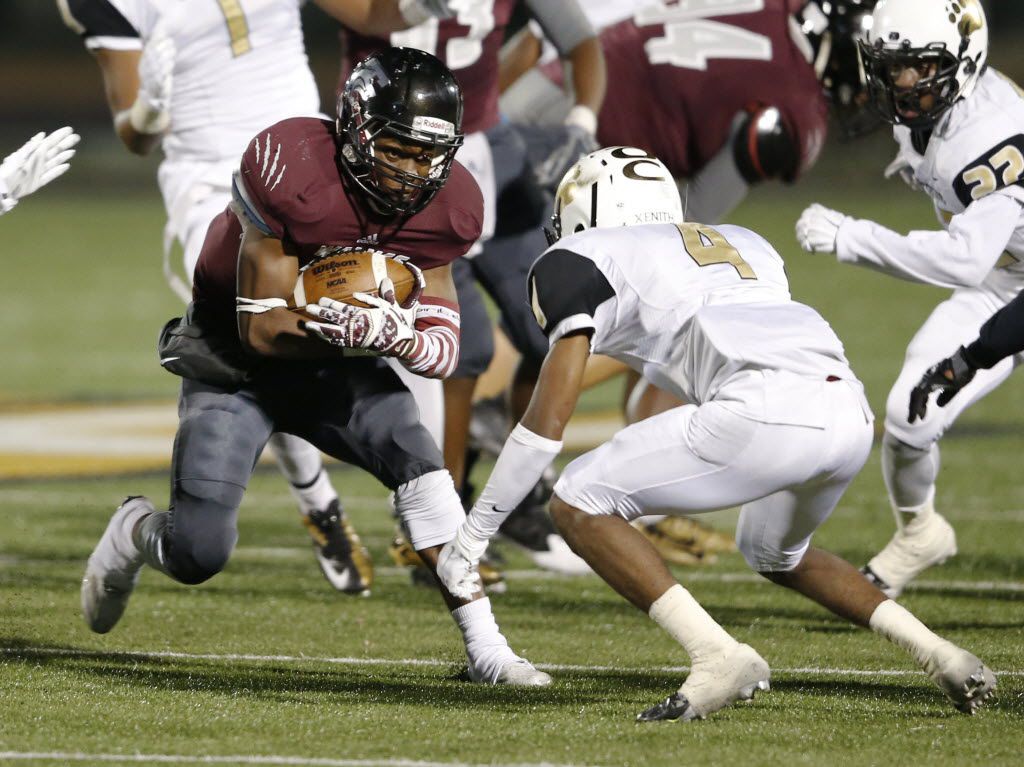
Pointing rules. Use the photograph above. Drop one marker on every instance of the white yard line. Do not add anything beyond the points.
(434, 663)
(78, 756)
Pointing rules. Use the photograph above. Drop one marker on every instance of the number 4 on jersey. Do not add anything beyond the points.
(691, 39)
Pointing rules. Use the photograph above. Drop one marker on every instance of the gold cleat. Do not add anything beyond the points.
(404, 555)
(685, 541)
(342, 557)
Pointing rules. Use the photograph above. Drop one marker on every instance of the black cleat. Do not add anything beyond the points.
(344, 560)
(673, 707)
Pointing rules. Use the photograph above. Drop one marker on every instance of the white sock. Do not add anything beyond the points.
(899, 626)
(912, 517)
(688, 623)
(486, 647)
(318, 494)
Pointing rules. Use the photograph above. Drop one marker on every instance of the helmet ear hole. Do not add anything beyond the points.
(578, 228)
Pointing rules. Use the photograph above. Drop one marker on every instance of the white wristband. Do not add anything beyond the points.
(145, 119)
(583, 117)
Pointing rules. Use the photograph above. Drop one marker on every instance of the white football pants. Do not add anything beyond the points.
(910, 474)
(693, 459)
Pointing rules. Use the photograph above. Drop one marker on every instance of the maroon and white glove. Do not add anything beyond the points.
(380, 328)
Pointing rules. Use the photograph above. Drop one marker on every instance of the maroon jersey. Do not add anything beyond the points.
(676, 82)
(468, 44)
(291, 186)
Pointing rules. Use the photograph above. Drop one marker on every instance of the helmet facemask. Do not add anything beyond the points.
(399, 105)
(394, 190)
(917, 106)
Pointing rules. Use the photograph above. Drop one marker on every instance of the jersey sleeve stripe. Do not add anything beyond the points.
(241, 196)
(96, 19)
(571, 325)
(113, 43)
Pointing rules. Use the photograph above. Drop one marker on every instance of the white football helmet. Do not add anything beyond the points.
(615, 186)
(950, 34)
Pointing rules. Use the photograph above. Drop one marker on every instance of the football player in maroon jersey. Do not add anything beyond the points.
(469, 44)
(382, 176)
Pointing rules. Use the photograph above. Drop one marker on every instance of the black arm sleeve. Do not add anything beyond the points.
(565, 285)
(96, 18)
(1001, 336)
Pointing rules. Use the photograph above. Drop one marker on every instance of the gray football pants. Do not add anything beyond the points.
(358, 412)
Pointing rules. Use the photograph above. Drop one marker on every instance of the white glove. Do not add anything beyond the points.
(458, 562)
(151, 112)
(900, 167)
(36, 163)
(415, 12)
(818, 227)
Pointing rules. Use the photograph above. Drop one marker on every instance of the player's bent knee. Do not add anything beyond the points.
(767, 559)
(565, 516)
(430, 509)
(200, 542)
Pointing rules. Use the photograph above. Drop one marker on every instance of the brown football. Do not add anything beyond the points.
(338, 274)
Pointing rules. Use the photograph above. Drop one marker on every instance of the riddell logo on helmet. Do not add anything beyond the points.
(433, 125)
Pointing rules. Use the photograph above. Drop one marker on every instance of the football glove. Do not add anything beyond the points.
(151, 112)
(947, 377)
(458, 564)
(549, 163)
(818, 227)
(900, 167)
(381, 328)
(36, 163)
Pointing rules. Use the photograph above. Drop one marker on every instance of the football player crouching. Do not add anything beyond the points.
(960, 129)
(383, 174)
(778, 424)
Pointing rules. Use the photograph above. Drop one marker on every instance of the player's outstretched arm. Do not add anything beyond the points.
(960, 256)
(36, 163)
(379, 18)
(528, 451)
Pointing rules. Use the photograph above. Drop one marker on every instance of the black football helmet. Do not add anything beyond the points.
(408, 95)
(832, 29)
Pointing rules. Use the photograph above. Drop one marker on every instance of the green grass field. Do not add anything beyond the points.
(266, 665)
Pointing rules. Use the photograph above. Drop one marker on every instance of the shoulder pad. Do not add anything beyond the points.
(764, 147)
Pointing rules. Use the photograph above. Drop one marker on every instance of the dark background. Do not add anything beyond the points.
(48, 79)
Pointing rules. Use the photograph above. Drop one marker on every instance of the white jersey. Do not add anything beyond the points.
(241, 65)
(688, 306)
(973, 170)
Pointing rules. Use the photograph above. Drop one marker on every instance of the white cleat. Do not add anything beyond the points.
(736, 674)
(965, 680)
(913, 549)
(517, 672)
(113, 569)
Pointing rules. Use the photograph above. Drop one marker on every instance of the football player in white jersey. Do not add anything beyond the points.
(200, 78)
(778, 424)
(35, 163)
(960, 129)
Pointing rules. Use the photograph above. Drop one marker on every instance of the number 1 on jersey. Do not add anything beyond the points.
(238, 26)
(716, 250)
